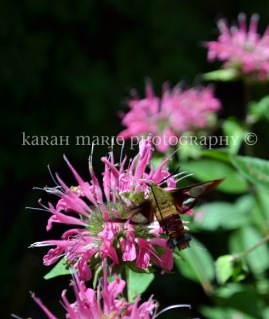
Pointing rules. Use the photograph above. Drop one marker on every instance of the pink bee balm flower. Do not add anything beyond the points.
(242, 48)
(168, 117)
(101, 220)
(105, 302)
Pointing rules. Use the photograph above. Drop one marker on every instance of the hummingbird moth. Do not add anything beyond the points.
(167, 206)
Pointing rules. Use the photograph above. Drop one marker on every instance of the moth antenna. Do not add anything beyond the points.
(157, 204)
(175, 174)
(170, 175)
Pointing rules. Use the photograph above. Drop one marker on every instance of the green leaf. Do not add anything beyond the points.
(224, 268)
(235, 132)
(221, 215)
(263, 203)
(239, 270)
(265, 313)
(197, 264)
(256, 170)
(59, 269)
(187, 148)
(227, 313)
(229, 290)
(227, 266)
(258, 110)
(137, 283)
(262, 286)
(244, 203)
(220, 154)
(241, 297)
(245, 238)
(208, 169)
(258, 212)
(224, 75)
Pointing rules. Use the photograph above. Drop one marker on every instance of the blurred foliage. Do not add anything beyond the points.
(65, 69)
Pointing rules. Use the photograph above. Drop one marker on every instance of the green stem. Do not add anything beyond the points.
(124, 276)
(247, 98)
(249, 250)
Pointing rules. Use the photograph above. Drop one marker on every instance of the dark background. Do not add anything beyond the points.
(66, 68)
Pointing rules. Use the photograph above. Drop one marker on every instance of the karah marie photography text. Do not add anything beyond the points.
(211, 141)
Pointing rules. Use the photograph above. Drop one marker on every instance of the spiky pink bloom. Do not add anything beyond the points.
(95, 213)
(168, 117)
(105, 302)
(242, 48)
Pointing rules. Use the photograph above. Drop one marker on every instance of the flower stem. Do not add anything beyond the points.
(249, 250)
(124, 276)
(247, 97)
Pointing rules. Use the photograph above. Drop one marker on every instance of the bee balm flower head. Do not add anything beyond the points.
(242, 48)
(168, 117)
(105, 302)
(95, 215)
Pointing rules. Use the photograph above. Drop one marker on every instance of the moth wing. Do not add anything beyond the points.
(140, 214)
(189, 196)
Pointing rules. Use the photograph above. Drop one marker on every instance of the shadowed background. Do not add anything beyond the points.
(66, 68)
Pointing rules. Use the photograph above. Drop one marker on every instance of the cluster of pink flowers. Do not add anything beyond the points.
(168, 117)
(105, 302)
(242, 48)
(102, 236)
(98, 233)
(99, 239)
